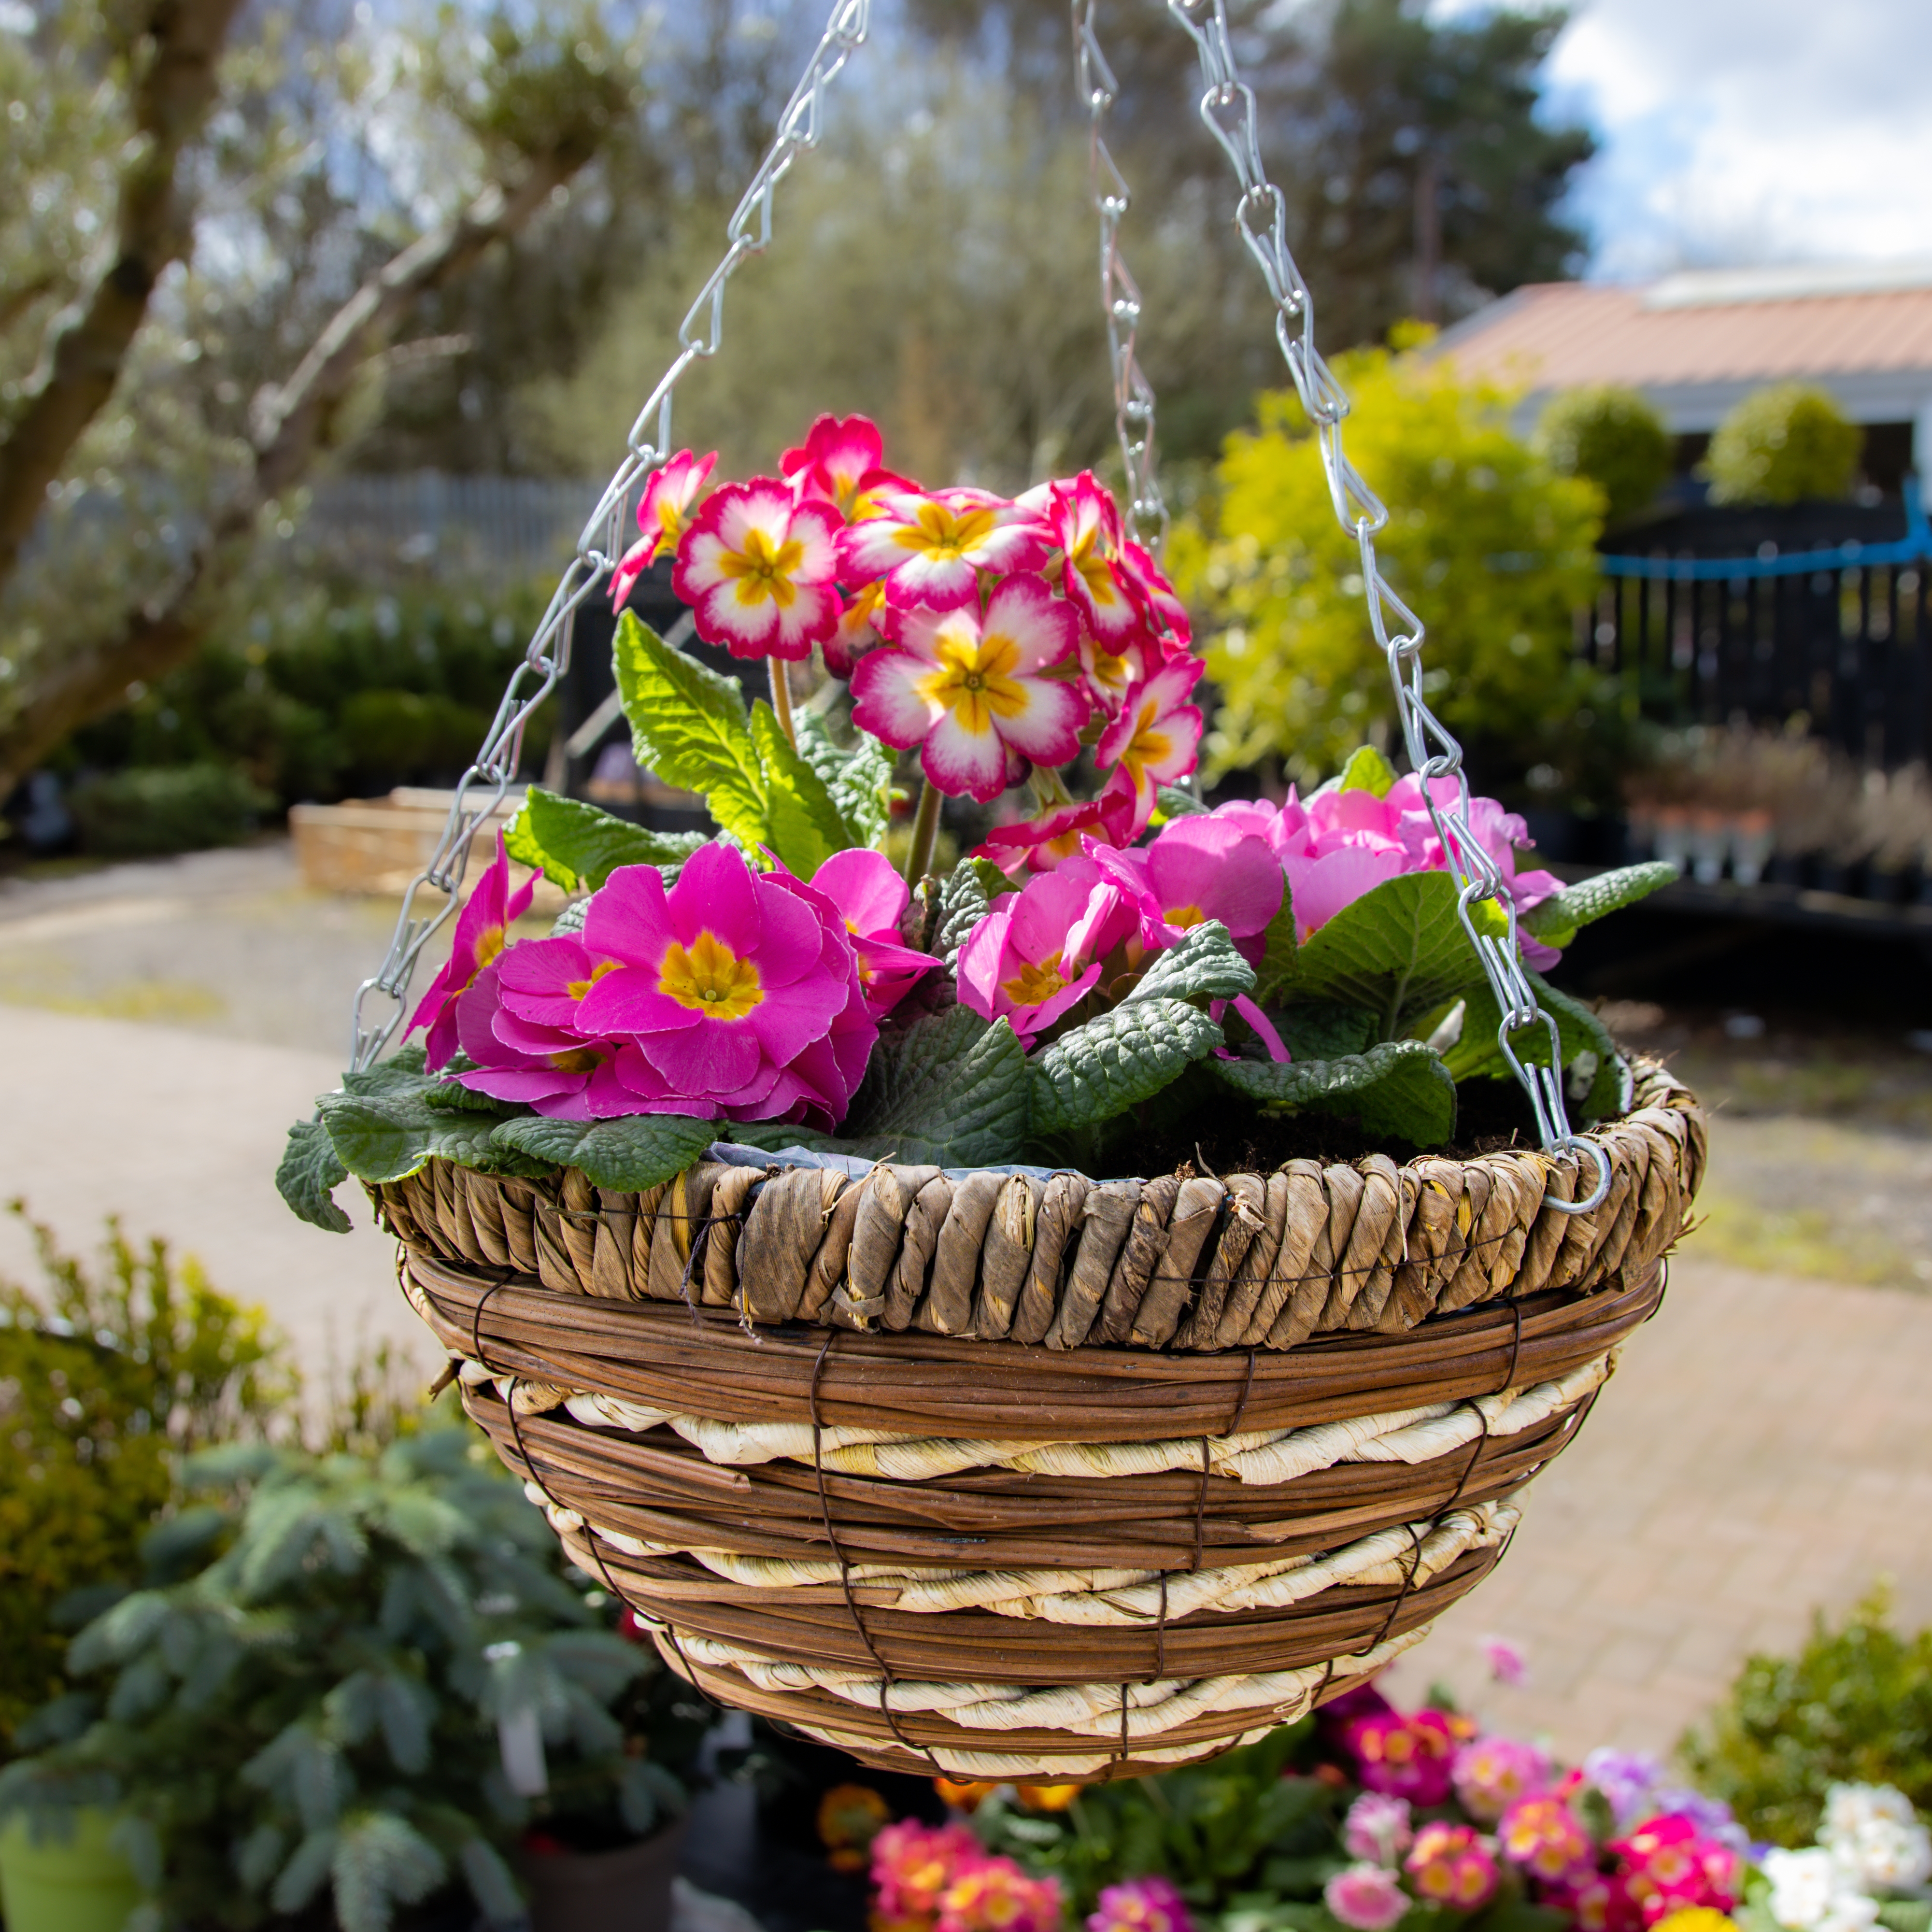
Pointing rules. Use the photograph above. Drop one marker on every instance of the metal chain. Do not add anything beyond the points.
(700, 336)
(1120, 293)
(1228, 108)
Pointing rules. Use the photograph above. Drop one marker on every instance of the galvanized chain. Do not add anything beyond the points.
(1120, 293)
(1227, 107)
(601, 543)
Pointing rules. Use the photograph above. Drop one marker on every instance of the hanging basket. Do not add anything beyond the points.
(990, 1475)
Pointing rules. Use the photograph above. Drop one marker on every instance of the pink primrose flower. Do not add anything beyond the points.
(1060, 831)
(488, 914)
(930, 548)
(1449, 1865)
(841, 463)
(1407, 1756)
(1160, 603)
(739, 992)
(1492, 1773)
(1376, 1827)
(1149, 1904)
(971, 691)
(758, 569)
(1197, 868)
(865, 890)
(857, 630)
(1038, 952)
(1086, 526)
(995, 1895)
(1507, 1662)
(1153, 741)
(663, 515)
(1668, 1865)
(913, 1864)
(1595, 1901)
(1365, 1897)
(554, 1070)
(1542, 1835)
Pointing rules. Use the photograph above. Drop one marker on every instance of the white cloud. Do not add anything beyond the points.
(1751, 131)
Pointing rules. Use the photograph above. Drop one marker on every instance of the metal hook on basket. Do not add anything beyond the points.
(1576, 1144)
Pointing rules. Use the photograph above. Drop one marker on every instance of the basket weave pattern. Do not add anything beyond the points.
(1066, 1561)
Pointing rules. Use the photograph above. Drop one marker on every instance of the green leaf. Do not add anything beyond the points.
(627, 1155)
(388, 1136)
(688, 724)
(1114, 1061)
(966, 895)
(949, 1089)
(1398, 1088)
(401, 1072)
(1279, 950)
(1555, 921)
(802, 825)
(857, 779)
(1205, 965)
(1321, 1031)
(1906, 1915)
(1368, 770)
(1396, 952)
(309, 1175)
(1171, 801)
(576, 844)
(1476, 1054)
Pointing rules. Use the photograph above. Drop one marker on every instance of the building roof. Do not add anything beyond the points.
(1701, 332)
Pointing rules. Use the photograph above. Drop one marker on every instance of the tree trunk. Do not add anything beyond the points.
(291, 427)
(88, 342)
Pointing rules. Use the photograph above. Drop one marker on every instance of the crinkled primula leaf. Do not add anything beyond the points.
(949, 1089)
(1319, 1030)
(1205, 965)
(576, 844)
(627, 1155)
(1476, 1054)
(1114, 1061)
(1555, 920)
(1399, 1089)
(966, 895)
(309, 1175)
(857, 779)
(802, 825)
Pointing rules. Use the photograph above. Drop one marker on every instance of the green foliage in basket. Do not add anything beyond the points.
(108, 1376)
(1854, 1705)
(303, 1702)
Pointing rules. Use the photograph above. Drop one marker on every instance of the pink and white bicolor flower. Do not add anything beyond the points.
(1042, 842)
(1153, 741)
(930, 548)
(972, 691)
(841, 463)
(663, 515)
(758, 568)
(1087, 526)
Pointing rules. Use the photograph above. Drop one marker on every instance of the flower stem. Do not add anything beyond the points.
(781, 699)
(925, 833)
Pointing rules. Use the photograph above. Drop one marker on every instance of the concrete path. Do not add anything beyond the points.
(1764, 1450)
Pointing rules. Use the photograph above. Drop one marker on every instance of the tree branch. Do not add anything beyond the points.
(88, 342)
(291, 427)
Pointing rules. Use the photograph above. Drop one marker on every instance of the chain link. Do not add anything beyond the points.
(700, 337)
(1120, 293)
(1229, 111)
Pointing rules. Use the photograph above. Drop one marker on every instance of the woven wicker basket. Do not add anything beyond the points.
(999, 1476)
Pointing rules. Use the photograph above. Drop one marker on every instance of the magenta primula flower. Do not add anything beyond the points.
(663, 515)
(1160, 603)
(1149, 1904)
(487, 916)
(1153, 741)
(1407, 1756)
(554, 1070)
(1197, 868)
(1377, 1827)
(757, 568)
(995, 1895)
(841, 463)
(739, 992)
(871, 897)
(1492, 1773)
(1669, 1863)
(1038, 952)
(913, 1865)
(1541, 1834)
(1365, 1898)
(1060, 831)
(972, 691)
(929, 549)
(1450, 1864)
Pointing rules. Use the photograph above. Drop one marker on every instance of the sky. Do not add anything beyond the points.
(1743, 132)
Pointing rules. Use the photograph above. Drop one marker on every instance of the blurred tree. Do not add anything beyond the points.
(1616, 438)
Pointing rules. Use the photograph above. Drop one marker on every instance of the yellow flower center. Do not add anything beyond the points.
(489, 943)
(577, 988)
(938, 532)
(1033, 985)
(1148, 745)
(1183, 916)
(975, 677)
(710, 979)
(575, 1059)
(762, 572)
(1095, 575)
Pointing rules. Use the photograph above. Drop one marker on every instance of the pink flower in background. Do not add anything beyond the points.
(913, 1865)
(554, 1070)
(841, 464)
(1037, 953)
(1492, 1774)
(758, 569)
(1597, 1901)
(1199, 868)
(930, 548)
(1668, 1865)
(663, 515)
(1407, 1756)
(857, 630)
(487, 915)
(1150, 1904)
(739, 992)
(1542, 1835)
(972, 691)
(1507, 1663)
(1061, 831)
(1449, 1865)
(995, 1895)
(871, 898)
(1365, 1897)
(1376, 1827)
(1153, 743)
(1086, 526)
